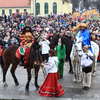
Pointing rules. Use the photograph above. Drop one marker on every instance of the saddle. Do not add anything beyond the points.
(25, 52)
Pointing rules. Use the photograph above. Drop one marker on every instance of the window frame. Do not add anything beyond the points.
(3, 11)
(46, 8)
(37, 8)
(54, 8)
(10, 11)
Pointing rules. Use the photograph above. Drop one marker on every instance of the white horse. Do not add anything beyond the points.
(75, 58)
(76, 55)
(95, 49)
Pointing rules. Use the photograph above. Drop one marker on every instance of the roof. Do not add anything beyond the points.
(14, 3)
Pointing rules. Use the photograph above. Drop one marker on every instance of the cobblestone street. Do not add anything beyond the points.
(73, 91)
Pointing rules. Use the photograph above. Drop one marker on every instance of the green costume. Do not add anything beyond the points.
(61, 53)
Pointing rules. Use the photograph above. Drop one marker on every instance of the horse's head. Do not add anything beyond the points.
(35, 54)
(35, 45)
(54, 41)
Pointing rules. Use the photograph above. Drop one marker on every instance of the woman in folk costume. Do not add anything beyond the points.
(50, 86)
(61, 54)
(26, 40)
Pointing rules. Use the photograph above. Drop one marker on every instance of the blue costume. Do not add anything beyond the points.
(84, 37)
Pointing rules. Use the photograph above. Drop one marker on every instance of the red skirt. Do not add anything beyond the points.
(51, 87)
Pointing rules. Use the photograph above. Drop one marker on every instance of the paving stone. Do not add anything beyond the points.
(73, 91)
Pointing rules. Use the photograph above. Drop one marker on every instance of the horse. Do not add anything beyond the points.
(68, 43)
(33, 59)
(95, 50)
(76, 56)
(75, 59)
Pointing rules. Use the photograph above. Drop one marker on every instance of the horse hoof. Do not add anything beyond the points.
(74, 80)
(37, 87)
(5, 85)
(17, 84)
(70, 72)
(26, 92)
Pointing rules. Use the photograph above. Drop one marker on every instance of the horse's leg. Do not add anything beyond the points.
(37, 67)
(13, 69)
(1, 62)
(29, 79)
(75, 70)
(70, 63)
(5, 68)
(1, 68)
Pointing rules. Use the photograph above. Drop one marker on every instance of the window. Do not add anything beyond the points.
(3, 11)
(37, 9)
(17, 10)
(46, 8)
(63, 1)
(10, 11)
(54, 8)
(25, 10)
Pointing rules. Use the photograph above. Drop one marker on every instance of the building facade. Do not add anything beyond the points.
(48, 7)
(9, 7)
(35, 7)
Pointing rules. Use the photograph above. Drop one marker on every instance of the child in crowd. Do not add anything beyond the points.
(50, 86)
(86, 63)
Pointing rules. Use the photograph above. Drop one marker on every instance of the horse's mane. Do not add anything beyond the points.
(35, 54)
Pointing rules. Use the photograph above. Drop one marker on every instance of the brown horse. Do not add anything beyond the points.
(67, 40)
(9, 57)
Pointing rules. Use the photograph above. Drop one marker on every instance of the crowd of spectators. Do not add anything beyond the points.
(12, 26)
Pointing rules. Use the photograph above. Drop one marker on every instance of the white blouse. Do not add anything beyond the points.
(52, 65)
(45, 46)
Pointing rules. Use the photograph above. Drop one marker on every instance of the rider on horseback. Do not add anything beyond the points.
(26, 40)
(83, 37)
(83, 34)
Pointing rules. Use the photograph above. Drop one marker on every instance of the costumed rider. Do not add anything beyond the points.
(26, 40)
(83, 36)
